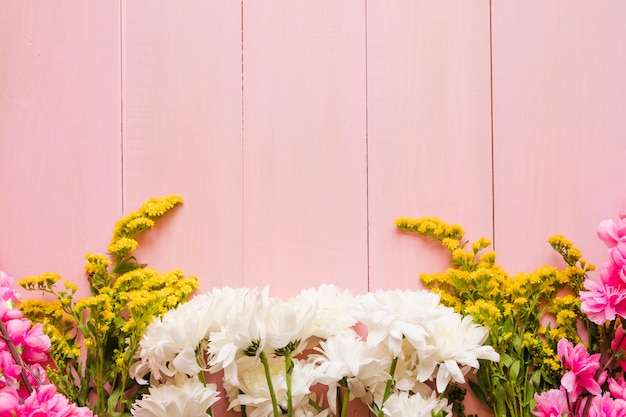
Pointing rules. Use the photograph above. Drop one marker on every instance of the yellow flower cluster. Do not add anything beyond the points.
(127, 227)
(96, 337)
(431, 226)
(527, 313)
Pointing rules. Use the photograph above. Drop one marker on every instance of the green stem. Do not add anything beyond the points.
(288, 372)
(344, 403)
(202, 378)
(100, 399)
(392, 370)
(270, 385)
(315, 405)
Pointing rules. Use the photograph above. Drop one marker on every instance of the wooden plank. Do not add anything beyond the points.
(429, 130)
(559, 118)
(304, 145)
(182, 132)
(59, 135)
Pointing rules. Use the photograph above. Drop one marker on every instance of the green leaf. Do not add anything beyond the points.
(114, 399)
(536, 378)
(514, 371)
(506, 359)
(478, 392)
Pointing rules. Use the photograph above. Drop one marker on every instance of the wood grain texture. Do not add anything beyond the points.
(559, 118)
(297, 132)
(304, 149)
(429, 130)
(182, 133)
(59, 135)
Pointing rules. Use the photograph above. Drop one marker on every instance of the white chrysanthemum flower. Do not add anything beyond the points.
(244, 333)
(392, 315)
(335, 312)
(455, 344)
(345, 356)
(262, 324)
(190, 399)
(170, 343)
(288, 323)
(402, 404)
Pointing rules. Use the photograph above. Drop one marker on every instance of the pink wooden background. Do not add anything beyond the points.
(297, 131)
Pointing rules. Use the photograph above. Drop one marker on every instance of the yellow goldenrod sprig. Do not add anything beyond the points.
(94, 339)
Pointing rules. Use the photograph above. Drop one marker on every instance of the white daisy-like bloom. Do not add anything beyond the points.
(363, 366)
(335, 312)
(243, 334)
(289, 323)
(190, 399)
(403, 404)
(455, 344)
(253, 391)
(170, 343)
(261, 324)
(393, 315)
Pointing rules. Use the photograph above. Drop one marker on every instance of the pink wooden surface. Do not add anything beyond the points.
(305, 184)
(429, 130)
(559, 121)
(60, 164)
(182, 133)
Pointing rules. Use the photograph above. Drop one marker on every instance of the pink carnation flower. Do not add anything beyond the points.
(582, 369)
(10, 370)
(603, 302)
(36, 344)
(31, 339)
(6, 288)
(606, 406)
(552, 403)
(617, 254)
(9, 401)
(46, 401)
(610, 232)
(617, 388)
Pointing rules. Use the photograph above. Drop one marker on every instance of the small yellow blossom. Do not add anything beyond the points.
(451, 244)
(552, 363)
(560, 241)
(122, 246)
(488, 258)
(566, 317)
(521, 301)
(480, 244)
(40, 282)
(574, 253)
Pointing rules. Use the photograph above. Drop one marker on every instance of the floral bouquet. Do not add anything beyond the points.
(303, 356)
(593, 384)
(25, 389)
